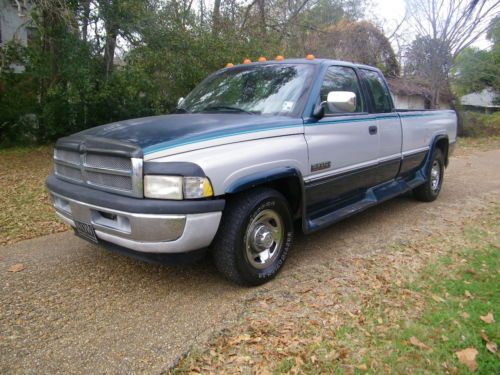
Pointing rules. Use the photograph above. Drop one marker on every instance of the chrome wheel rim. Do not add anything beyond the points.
(263, 238)
(435, 176)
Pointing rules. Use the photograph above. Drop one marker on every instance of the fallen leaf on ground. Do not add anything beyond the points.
(488, 318)
(416, 342)
(468, 294)
(437, 298)
(468, 358)
(492, 347)
(17, 267)
(484, 336)
(362, 367)
(239, 339)
(464, 315)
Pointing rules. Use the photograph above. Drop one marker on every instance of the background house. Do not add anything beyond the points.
(408, 93)
(15, 24)
(14, 21)
(483, 101)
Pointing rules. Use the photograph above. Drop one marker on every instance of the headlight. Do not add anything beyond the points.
(163, 187)
(176, 187)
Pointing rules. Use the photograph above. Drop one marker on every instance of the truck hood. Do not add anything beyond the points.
(155, 135)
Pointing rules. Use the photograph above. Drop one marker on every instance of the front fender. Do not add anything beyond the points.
(263, 177)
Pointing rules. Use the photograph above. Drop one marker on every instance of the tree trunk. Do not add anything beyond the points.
(85, 21)
(109, 51)
(216, 17)
(262, 16)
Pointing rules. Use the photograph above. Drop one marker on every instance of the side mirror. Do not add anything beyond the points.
(180, 101)
(341, 101)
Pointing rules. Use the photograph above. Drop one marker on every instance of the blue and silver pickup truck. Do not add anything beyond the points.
(251, 151)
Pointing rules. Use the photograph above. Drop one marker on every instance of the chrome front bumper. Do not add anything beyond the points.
(149, 233)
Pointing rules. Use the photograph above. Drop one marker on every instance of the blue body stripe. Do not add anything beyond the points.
(171, 144)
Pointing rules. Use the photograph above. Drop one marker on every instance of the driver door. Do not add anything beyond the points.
(343, 146)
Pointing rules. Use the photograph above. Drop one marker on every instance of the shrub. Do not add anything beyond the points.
(474, 124)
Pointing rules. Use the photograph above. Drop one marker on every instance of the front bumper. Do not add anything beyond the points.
(158, 232)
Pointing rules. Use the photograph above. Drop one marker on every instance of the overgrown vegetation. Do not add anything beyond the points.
(90, 62)
(428, 306)
(479, 125)
(476, 69)
(98, 61)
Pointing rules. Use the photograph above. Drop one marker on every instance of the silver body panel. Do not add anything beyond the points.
(227, 164)
(343, 143)
(390, 137)
(420, 128)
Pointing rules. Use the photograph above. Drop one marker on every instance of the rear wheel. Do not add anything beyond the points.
(430, 190)
(254, 237)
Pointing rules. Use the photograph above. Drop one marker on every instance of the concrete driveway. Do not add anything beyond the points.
(77, 308)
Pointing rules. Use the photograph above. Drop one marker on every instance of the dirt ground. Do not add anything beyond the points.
(76, 308)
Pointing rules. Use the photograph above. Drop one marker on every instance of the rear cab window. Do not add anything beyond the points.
(378, 91)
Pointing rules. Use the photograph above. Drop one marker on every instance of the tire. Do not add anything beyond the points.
(430, 190)
(254, 237)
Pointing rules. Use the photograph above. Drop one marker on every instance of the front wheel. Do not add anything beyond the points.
(430, 190)
(254, 237)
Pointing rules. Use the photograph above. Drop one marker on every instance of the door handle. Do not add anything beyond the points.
(373, 130)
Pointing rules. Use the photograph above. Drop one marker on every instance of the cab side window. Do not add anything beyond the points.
(379, 93)
(340, 78)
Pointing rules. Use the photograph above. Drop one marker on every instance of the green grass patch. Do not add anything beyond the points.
(463, 286)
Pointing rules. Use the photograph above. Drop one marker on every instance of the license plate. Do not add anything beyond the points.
(86, 231)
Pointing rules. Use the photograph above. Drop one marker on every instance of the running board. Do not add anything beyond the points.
(371, 197)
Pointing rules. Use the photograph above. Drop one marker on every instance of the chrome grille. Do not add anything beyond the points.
(72, 157)
(101, 171)
(69, 172)
(102, 179)
(108, 162)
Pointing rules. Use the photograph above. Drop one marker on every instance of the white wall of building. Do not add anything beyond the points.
(13, 21)
(415, 102)
(409, 101)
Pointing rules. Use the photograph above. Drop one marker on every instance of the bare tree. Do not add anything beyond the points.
(449, 26)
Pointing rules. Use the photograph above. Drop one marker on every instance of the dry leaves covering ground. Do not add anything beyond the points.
(351, 321)
(25, 210)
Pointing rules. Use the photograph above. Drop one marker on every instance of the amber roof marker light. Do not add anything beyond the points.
(262, 59)
(310, 56)
(279, 58)
(247, 61)
(229, 65)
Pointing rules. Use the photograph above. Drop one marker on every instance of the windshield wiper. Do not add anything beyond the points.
(180, 110)
(226, 108)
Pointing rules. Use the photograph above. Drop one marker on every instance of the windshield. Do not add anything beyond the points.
(263, 89)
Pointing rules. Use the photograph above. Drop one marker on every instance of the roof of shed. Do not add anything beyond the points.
(414, 87)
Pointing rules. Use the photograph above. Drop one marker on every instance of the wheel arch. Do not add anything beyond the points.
(287, 180)
(443, 143)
